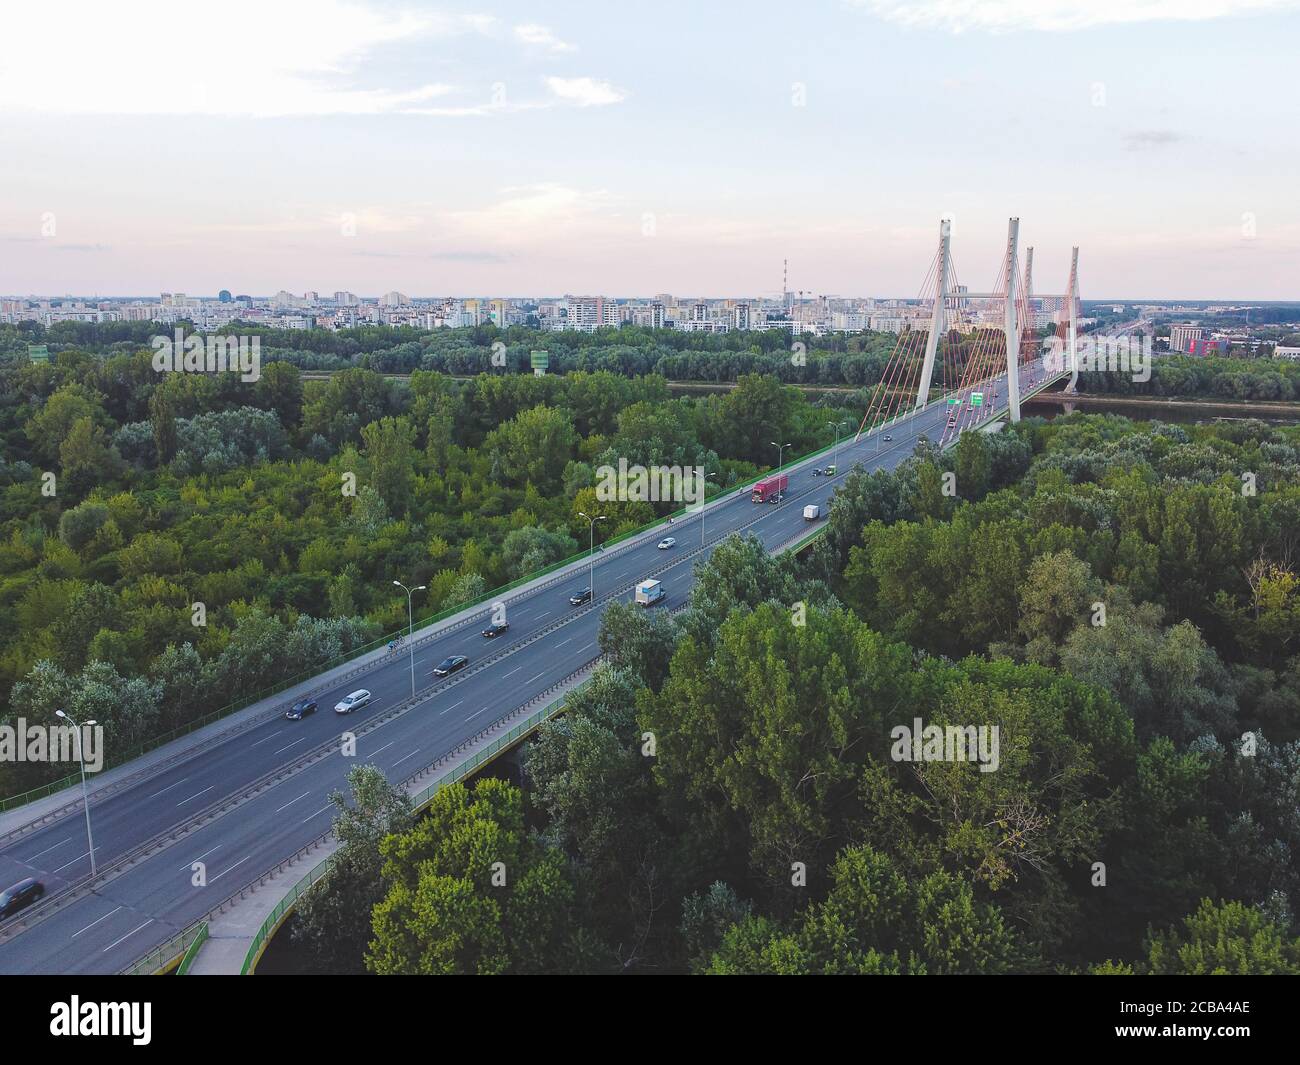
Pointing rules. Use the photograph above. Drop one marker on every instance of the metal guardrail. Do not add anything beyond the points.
(193, 951)
(165, 955)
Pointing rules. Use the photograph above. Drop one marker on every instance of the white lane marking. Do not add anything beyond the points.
(539, 675)
(451, 707)
(546, 615)
(569, 640)
(383, 748)
(513, 672)
(292, 801)
(56, 846)
(197, 794)
(225, 871)
(317, 813)
(293, 744)
(476, 713)
(73, 862)
(169, 788)
(270, 737)
(406, 756)
(187, 868)
(126, 937)
(96, 921)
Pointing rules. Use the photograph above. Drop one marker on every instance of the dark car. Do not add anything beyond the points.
(583, 596)
(301, 709)
(817, 471)
(23, 893)
(495, 630)
(449, 666)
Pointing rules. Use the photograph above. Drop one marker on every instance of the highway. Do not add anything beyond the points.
(258, 796)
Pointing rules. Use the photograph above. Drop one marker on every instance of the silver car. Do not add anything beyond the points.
(355, 701)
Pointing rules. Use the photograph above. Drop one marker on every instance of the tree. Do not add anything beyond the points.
(876, 921)
(87, 458)
(1225, 939)
(389, 448)
(327, 922)
(468, 891)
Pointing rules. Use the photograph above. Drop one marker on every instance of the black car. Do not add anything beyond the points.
(817, 471)
(449, 666)
(583, 596)
(23, 893)
(495, 629)
(301, 709)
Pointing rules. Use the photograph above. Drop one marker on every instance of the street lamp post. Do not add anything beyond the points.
(780, 451)
(85, 794)
(410, 628)
(591, 552)
(704, 502)
(836, 452)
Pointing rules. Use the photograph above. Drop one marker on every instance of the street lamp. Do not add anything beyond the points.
(410, 629)
(836, 452)
(85, 795)
(591, 552)
(780, 450)
(704, 503)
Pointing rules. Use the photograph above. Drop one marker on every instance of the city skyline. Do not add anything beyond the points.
(441, 150)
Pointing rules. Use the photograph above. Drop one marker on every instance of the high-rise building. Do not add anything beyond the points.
(589, 313)
(1181, 336)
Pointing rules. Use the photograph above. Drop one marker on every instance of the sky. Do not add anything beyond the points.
(631, 149)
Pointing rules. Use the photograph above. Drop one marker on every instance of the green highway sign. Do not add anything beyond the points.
(977, 399)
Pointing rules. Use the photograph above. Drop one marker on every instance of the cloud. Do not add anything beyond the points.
(292, 57)
(585, 92)
(527, 213)
(1004, 16)
(541, 37)
(1143, 139)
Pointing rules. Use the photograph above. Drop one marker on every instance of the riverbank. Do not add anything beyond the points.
(1176, 406)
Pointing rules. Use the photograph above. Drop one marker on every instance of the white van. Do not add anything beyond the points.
(649, 592)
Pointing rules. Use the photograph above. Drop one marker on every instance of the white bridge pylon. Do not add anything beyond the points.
(1011, 324)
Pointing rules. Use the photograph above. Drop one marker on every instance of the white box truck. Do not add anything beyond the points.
(649, 592)
(812, 512)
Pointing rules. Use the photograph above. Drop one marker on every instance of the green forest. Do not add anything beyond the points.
(286, 508)
(1118, 598)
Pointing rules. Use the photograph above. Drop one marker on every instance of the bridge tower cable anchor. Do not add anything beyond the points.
(1011, 326)
(937, 318)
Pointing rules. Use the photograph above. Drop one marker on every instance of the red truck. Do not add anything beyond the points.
(769, 489)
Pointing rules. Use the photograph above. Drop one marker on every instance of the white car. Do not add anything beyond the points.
(667, 542)
(355, 701)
